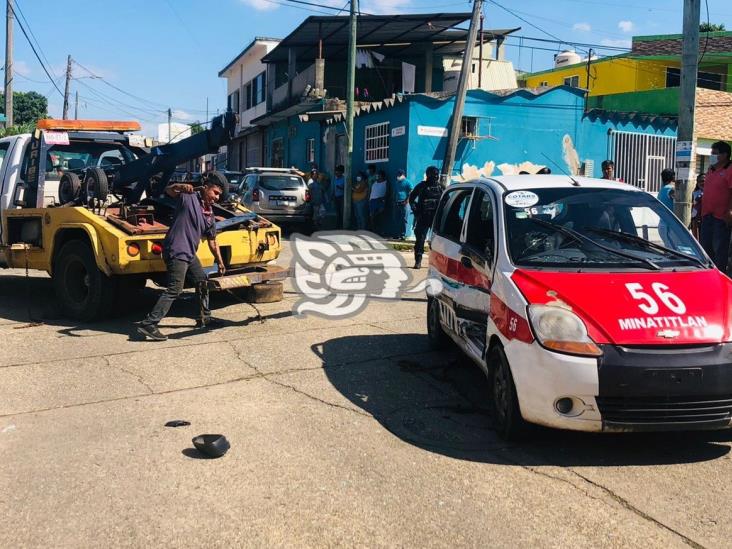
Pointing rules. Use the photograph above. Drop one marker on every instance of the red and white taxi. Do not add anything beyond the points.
(586, 302)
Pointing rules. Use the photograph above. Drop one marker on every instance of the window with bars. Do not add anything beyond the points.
(376, 143)
(310, 150)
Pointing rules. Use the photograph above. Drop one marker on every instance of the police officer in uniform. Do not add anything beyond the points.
(423, 200)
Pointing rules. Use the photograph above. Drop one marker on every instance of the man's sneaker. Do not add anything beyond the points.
(152, 332)
(418, 264)
(209, 323)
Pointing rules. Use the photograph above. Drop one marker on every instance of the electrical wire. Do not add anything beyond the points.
(309, 10)
(30, 30)
(30, 43)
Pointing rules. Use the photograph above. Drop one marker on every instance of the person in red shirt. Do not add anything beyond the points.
(716, 207)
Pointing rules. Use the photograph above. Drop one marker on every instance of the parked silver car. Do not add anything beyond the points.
(278, 194)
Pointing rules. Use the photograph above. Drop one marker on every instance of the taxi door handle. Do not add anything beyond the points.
(466, 262)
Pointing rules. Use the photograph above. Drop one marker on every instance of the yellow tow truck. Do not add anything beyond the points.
(83, 200)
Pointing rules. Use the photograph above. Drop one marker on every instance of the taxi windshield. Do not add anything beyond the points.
(596, 228)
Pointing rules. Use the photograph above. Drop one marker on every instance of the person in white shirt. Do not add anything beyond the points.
(377, 200)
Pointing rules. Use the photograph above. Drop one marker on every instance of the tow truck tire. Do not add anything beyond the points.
(84, 291)
(96, 184)
(221, 180)
(439, 340)
(504, 402)
(266, 292)
(69, 188)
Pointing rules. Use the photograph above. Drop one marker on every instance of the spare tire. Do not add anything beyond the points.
(69, 188)
(96, 184)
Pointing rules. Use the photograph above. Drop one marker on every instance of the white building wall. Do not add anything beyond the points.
(245, 69)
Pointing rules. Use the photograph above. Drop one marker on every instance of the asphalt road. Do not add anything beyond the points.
(343, 433)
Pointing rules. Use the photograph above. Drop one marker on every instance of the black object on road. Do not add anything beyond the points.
(178, 423)
(211, 445)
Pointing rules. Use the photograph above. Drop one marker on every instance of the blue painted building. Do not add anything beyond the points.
(502, 133)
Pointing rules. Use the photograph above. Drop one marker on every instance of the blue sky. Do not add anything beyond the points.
(168, 52)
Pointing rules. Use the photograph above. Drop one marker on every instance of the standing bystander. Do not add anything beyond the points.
(402, 188)
(377, 201)
(424, 200)
(717, 206)
(339, 191)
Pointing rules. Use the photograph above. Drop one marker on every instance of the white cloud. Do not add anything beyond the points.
(583, 27)
(368, 6)
(385, 6)
(181, 115)
(22, 68)
(622, 43)
(626, 26)
(261, 5)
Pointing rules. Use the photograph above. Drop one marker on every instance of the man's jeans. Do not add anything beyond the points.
(178, 270)
(402, 214)
(715, 234)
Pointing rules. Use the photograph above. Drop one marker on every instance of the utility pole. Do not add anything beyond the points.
(457, 112)
(587, 91)
(9, 65)
(350, 87)
(170, 125)
(66, 89)
(685, 144)
(480, 54)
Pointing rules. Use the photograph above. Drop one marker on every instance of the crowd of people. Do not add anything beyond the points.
(711, 202)
(378, 204)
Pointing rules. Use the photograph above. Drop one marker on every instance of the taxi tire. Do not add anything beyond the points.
(504, 401)
(84, 291)
(438, 339)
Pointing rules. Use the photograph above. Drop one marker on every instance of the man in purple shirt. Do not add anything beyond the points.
(193, 220)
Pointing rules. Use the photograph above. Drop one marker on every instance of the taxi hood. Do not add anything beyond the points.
(647, 308)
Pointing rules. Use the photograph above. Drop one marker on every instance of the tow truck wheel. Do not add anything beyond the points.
(266, 292)
(96, 184)
(69, 187)
(504, 402)
(439, 340)
(84, 291)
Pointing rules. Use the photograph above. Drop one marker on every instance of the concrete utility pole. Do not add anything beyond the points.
(170, 125)
(457, 112)
(76, 105)
(350, 88)
(9, 65)
(686, 144)
(480, 54)
(66, 89)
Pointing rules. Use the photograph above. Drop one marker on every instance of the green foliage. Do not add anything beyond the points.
(15, 130)
(196, 127)
(711, 27)
(28, 107)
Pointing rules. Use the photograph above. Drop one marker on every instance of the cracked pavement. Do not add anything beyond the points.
(348, 432)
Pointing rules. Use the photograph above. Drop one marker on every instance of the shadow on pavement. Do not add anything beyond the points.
(26, 300)
(438, 402)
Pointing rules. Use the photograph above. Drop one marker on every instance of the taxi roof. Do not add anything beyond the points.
(534, 181)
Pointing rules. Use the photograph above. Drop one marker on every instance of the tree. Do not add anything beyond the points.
(711, 27)
(28, 107)
(196, 127)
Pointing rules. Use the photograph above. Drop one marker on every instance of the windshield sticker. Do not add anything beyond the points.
(521, 199)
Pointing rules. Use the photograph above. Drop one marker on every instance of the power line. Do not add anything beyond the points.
(30, 43)
(30, 30)
(154, 104)
(309, 10)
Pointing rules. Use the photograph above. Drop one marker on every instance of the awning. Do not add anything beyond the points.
(403, 34)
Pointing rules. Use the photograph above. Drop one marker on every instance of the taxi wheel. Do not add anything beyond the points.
(504, 403)
(438, 339)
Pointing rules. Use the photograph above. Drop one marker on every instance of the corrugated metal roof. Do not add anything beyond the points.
(633, 117)
(402, 34)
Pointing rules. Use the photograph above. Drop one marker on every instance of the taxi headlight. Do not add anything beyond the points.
(561, 330)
